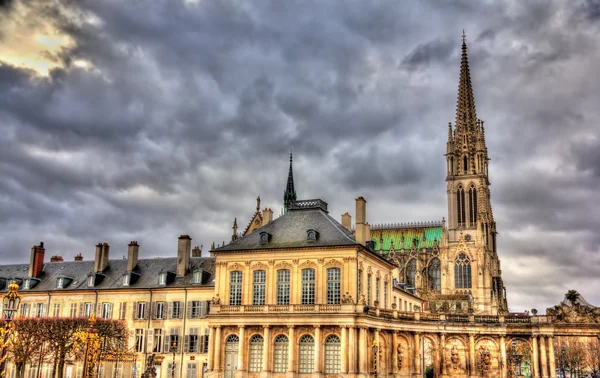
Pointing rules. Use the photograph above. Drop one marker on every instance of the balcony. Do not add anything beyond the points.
(296, 308)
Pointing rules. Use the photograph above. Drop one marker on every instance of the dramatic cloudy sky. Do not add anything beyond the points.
(144, 120)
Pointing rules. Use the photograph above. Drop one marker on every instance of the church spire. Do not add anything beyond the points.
(289, 196)
(465, 106)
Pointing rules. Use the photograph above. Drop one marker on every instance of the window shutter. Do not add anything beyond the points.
(150, 340)
(189, 310)
(81, 313)
(99, 310)
(146, 310)
(201, 341)
(203, 308)
(134, 312)
(206, 343)
(153, 307)
(110, 310)
(186, 343)
(169, 314)
(178, 333)
(167, 342)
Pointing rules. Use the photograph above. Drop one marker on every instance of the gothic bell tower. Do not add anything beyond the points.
(471, 233)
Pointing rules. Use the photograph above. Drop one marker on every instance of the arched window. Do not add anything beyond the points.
(332, 354)
(411, 272)
(368, 289)
(280, 354)
(460, 206)
(472, 205)
(283, 287)
(308, 286)
(306, 355)
(260, 280)
(256, 354)
(235, 288)
(434, 275)
(462, 272)
(333, 285)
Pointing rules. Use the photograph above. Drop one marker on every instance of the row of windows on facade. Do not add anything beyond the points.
(308, 281)
(306, 353)
(462, 273)
(162, 341)
(105, 370)
(141, 310)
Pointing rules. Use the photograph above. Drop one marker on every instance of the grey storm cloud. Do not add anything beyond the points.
(171, 117)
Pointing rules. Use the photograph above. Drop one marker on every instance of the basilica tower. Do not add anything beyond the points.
(471, 233)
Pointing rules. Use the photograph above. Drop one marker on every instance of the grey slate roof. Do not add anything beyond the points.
(78, 271)
(290, 231)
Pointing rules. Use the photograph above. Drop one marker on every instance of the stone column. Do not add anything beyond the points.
(443, 354)
(352, 347)
(266, 348)
(317, 368)
(395, 367)
(211, 348)
(472, 370)
(218, 342)
(544, 360)
(241, 348)
(363, 351)
(291, 350)
(535, 359)
(417, 355)
(551, 360)
(503, 367)
(344, 368)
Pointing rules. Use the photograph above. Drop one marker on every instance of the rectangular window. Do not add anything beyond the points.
(333, 285)
(177, 310)
(73, 310)
(174, 342)
(106, 310)
(308, 286)
(139, 340)
(158, 340)
(60, 283)
(160, 310)
(122, 310)
(191, 370)
(260, 280)
(88, 308)
(194, 310)
(360, 273)
(140, 311)
(25, 309)
(368, 289)
(385, 295)
(377, 286)
(56, 310)
(192, 340)
(283, 287)
(198, 276)
(39, 310)
(235, 288)
(172, 370)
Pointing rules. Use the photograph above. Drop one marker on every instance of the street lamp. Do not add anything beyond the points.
(514, 343)
(173, 350)
(562, 366)
(10, 305)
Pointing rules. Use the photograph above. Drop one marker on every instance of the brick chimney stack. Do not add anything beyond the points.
(184, 247)
(197, 251)
(267, 216)
(36, 261)
(56, 258)
(361, 220)
(79, 257)
(101, 261)
(347, 221)
(132, 255)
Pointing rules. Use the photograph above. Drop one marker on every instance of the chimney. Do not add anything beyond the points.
(361, 220)
(347, 221)
(132, 255)
(183, 254)
(56, 258)
(101, 261)
(36, 262)
(197, 251)
(267, 216)
(79, 257)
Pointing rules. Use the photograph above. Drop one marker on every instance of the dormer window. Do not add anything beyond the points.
(26, 284)
(197, 278)
(264, 237)
(126, 279)
(60, 283)
(91, 281)
(311, 236)
(162, 279)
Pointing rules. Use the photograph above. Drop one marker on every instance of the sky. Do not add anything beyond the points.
(144, 120)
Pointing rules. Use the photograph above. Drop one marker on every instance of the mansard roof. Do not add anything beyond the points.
(78, 271)
(290, 230)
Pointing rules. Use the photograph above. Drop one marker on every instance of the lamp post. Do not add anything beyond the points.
(10, 305)
(173, 350)
(514, 343)
(562, 366)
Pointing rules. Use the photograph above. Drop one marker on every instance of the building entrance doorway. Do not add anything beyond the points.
(232, 346)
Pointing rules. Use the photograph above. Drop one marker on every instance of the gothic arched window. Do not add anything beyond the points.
(434, 275)
(460, 206)
(411, 272)
(472, 204)
(462, 272)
